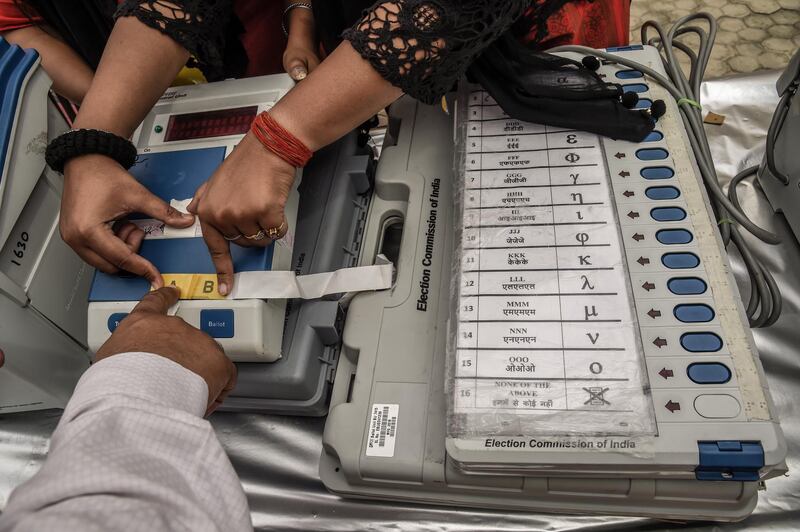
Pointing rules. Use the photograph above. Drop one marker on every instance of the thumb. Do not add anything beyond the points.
(297, 68)
(158, 301)
(195, 203)
(153, 206)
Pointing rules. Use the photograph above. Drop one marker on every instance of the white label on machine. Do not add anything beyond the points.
(382, 430)
(547, 339)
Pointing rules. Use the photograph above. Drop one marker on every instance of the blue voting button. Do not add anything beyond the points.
(657, 172)
(114, 319)
(654, 136)
(684, 286)
(662, 193)
(218, 323)
(635, 87)
(680, 261)
(701, 342)
(629, 74)
(674, 236)
(694, 313)
(709, 373)
(652, 154)
(668, 214)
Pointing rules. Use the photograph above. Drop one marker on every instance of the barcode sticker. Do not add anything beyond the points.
(382, 430)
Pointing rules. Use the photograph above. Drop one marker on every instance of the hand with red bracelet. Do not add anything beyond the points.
(244, 198)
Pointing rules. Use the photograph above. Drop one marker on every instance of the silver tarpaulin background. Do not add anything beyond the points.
(277, 457)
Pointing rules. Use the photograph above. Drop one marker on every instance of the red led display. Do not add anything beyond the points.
(209, 124)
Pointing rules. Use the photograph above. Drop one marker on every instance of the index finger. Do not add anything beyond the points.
(108, 246)
(158, 301)
(220, 251)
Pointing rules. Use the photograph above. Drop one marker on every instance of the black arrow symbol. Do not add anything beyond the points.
(624, 173)
(619, 155)
(659, 342)
(643, 261)
(666, 373)
(653, 313)
(671, 406)
(628, 193)
(633, 215)
(648, 286)
(638, 237)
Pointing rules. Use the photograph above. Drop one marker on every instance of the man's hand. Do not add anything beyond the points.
(97, 192)
(247, 194)
(148, 329)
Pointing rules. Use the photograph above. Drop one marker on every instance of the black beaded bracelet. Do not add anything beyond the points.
(79, 142)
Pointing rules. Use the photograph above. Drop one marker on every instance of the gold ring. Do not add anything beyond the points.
(273, 232)
(261, 235)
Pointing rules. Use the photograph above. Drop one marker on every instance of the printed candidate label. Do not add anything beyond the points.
(547, 329)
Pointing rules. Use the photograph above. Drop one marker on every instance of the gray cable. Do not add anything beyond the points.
(765, 303)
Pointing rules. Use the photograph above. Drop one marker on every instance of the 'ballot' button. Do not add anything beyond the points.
(218, 323)
(114, 319)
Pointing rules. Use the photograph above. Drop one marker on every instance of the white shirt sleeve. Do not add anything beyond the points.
(132, 452)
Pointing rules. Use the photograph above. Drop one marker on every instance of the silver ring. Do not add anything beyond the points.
(231, 238)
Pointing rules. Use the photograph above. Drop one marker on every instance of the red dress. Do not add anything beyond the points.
(11, 18)
(263, 38)
(595, 23)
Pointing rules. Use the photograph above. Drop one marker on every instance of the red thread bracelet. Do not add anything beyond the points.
(279, 141)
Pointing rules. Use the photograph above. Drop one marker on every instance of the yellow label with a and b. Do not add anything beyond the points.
(194, 285)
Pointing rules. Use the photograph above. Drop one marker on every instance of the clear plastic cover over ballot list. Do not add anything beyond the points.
(543, 333)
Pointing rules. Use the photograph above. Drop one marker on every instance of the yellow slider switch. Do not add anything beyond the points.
(194, 285)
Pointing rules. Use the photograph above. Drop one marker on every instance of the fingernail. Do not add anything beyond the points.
(223, 289)
(299, 73)
(153, 286)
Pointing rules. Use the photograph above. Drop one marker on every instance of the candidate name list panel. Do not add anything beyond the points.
(546, 323)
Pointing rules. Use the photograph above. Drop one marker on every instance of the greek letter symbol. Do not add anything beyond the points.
(583, 238)
(586, 283)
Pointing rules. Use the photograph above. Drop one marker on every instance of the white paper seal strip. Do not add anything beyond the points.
(286, 285)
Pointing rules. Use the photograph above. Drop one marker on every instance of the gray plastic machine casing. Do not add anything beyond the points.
(43, 284)
(394, 353)
(334, 195)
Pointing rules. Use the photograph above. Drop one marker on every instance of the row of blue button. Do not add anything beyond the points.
(695, 342)
(217, 323)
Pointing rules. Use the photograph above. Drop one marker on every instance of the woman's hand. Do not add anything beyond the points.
(98, 192)
(299, 59)
(300, 56)
(245, 197)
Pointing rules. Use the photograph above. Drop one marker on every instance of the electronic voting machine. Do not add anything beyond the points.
(56, 310)
(567, 337)
(43, 284)
(285, 350)
(564, 336)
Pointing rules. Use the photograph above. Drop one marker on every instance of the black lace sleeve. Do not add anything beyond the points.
(197, 25)
(424, 46)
